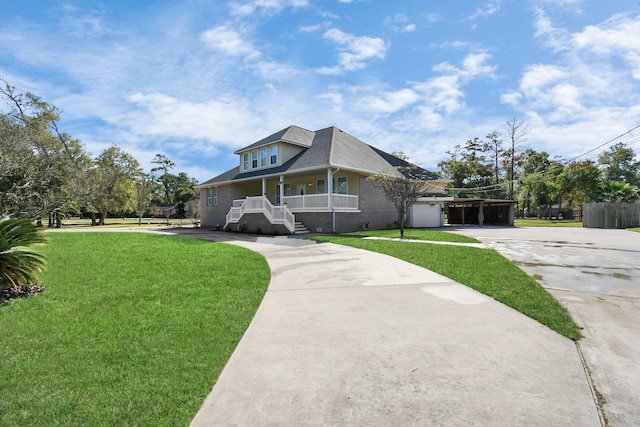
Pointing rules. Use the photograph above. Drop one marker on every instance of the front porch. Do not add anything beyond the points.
(258, 212)
(321, 202)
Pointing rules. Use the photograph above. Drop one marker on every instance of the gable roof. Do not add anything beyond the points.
(293, 135)
(326, 148)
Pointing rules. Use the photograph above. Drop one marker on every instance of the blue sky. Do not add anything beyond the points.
(196, 80)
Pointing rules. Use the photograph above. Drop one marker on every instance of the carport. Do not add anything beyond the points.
(480, 212)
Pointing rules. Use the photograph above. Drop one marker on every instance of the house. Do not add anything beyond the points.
(312, 180)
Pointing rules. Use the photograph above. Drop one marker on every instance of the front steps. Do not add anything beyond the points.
(300, 228)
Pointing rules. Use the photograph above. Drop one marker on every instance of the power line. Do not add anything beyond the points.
(608, 142)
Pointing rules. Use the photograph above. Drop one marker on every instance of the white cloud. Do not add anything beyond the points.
(555, 38)
(354, 51)
(584, 94)
(228, 41)
(473, 65)
(269, 6)
(400, 23)
(391, 102)
(584, 77)
(619, 35)
(487, 10)
(171, 119)
(437, 97)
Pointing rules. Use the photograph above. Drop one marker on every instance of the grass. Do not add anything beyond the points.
(132, 329)
(417, 234)
(540, 222)
(484, 270)
(123, 222)
(636, 229)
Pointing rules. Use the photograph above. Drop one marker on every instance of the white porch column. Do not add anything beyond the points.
(281, 184)
(329, 186)
(264, 186)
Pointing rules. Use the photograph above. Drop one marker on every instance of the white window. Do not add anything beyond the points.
(212, 196)
(263, 157)
(340, 185)
(245, 162)
(215, 196)
(254, 159)
(274, 154)
(320, 186)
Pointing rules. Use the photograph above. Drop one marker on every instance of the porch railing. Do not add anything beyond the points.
(319, 202)
(262, 205)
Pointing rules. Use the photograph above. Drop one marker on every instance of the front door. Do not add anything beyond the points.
(301, 189)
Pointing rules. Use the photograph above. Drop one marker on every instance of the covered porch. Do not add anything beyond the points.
(279, 198)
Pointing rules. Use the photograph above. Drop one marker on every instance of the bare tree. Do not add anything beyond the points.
(402, 187)
(517, 131)
(494, 147)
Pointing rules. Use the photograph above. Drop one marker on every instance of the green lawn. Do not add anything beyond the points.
(482, 269)
(417, 234)
(132, 329)
(540, 222)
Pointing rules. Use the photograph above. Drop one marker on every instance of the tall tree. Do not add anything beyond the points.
(468, 170)
(579, 182)
(619, 164)
(493, 146)
(115, 173)
(40, 167)
(143, 195)
(164, 165)
(540, 184)
(516, 131)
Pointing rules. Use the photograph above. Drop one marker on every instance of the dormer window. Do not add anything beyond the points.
(259, 158)
(263, 157)
(245, 162)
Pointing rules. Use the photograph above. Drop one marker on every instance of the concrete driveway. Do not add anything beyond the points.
(595, 273)
(347, 337)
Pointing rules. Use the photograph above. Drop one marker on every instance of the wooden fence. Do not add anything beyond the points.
(611, 215)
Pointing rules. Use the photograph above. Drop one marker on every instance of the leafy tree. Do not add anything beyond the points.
(540, 183)
(115, 174)
(19, 264)
(467, 169)
(579, 182)
(143, 196)
(619, 164)
(174, 190)
(402, 187)
(164, 166)
(40, 167)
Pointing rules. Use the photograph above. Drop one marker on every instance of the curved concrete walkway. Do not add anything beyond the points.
(350, 337)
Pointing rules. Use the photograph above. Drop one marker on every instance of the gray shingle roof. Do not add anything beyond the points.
(292, 134)
(329, 147)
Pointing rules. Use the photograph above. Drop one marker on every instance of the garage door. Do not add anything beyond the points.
(426, 215)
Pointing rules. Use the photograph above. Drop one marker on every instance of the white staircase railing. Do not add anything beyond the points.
(262, 205)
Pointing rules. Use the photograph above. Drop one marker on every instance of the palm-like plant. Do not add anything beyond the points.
(617, 192)
(19, 264)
